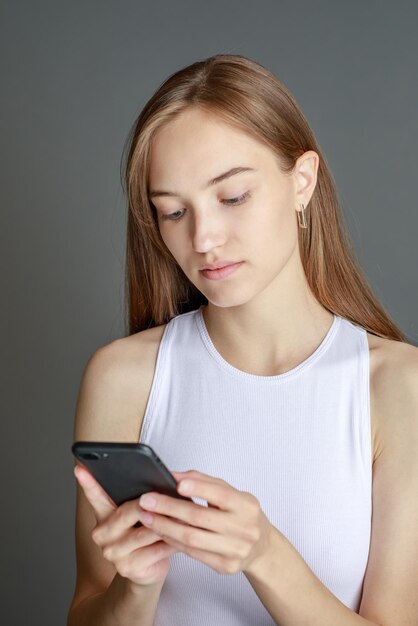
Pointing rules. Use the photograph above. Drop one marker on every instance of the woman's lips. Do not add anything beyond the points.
(222, 272)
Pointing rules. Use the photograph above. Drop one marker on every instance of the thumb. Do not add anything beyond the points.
(102, 504)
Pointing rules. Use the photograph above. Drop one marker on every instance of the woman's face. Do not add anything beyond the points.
(249, 216)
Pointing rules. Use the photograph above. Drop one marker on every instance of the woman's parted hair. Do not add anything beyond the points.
(248, 96)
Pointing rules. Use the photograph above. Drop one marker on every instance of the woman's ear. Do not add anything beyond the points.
(305, 176)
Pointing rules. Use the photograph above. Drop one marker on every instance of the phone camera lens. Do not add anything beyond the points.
(90, 456)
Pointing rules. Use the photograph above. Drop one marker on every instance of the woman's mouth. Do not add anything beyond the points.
(221, 272)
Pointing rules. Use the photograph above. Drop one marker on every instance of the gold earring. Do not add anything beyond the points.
(302, 218)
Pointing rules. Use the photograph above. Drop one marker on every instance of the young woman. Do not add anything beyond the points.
(279, 385)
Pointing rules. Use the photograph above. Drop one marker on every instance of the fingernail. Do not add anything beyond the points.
(147, 519)
(147, 502)
(185, 486)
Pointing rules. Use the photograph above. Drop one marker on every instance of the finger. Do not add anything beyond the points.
(147, 557)
(194, 474)
(199, 475)
(217, 493)
(184, 512)
(131, 541)
(102, 504)
(120, 520)
(185, 538)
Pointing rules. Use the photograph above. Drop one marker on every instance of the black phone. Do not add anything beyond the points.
(126, 470)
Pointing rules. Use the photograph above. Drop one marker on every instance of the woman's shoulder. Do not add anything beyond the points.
(393, 388)
(115, 387)
(147, 339)
(388, 353)
(391, 359)
(136, 357)
(133, 352)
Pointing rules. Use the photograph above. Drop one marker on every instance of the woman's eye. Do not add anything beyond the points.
(229, 201)
(170, 216)
(237, 200)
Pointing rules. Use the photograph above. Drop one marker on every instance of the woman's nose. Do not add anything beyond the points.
(207, 232)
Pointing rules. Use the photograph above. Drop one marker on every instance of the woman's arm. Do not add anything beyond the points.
(110, 406)
(285, 584)
(120, 605)
(102, 596)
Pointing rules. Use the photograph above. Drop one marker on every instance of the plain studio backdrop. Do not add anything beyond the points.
(74, 77)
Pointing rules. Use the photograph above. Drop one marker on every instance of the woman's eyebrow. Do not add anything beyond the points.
(213, 181)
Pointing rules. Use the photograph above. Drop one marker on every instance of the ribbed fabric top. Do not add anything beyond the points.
(300, 442)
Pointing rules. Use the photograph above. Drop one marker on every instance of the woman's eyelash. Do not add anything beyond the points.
(230, 201)
(237, 200)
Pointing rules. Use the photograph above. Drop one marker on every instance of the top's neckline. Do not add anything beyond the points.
(276, 377)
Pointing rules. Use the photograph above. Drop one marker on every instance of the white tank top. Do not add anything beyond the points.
(300, 442)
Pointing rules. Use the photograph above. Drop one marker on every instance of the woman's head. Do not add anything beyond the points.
(223, 112)
(247, 217)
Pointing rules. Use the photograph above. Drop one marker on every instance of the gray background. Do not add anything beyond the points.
(74, 76)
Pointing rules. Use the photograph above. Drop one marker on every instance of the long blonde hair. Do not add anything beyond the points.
(248, 96)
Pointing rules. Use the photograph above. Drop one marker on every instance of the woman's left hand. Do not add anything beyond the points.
(229, 535)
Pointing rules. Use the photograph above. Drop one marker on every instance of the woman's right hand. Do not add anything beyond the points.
(138, 554)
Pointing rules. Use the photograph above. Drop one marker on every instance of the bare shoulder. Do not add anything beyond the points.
(391, 578)
(393, 386)
(115, 387)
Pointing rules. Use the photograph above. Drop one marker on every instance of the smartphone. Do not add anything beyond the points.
(126, 470)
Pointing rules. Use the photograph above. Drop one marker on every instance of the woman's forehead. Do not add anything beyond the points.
(202, 150)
